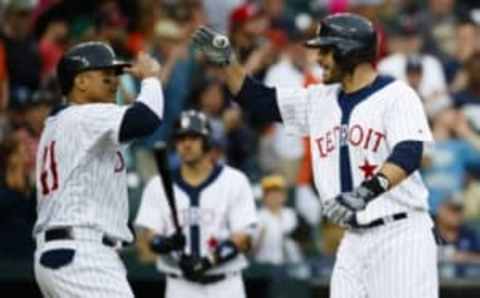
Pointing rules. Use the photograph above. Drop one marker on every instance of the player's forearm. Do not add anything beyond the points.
(394, 173)
(405, 159)
(146, 255)
(234, 77)
(151, 95)
(242, 241)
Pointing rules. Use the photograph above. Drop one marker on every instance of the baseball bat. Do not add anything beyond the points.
(161, 158)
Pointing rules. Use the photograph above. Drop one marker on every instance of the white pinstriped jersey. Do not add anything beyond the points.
(352, 136)
(221, 205)
(81, 175)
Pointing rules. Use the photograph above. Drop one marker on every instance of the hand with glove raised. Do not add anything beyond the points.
(215, 46)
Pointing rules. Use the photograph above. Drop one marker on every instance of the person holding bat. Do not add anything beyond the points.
(202, 256)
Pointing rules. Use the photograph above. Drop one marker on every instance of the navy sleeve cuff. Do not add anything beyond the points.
(407, 155)
(138, 121)
(259, 100)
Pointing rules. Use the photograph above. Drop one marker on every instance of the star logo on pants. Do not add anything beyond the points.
(367, 169)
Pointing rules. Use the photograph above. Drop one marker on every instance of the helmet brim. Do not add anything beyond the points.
(116, 65)
(331, 41)
(189, 132)
(318, 42)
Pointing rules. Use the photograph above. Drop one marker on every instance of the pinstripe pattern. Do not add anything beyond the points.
(397, 260)
(382, 116)
(232, 287)
(96, 271)
(90, 192)
(83, 185)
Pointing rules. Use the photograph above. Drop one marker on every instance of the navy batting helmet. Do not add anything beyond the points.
(194, 122)
(352, 37)
(83, 57)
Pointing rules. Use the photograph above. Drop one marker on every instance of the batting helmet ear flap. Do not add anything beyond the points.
(67, 69)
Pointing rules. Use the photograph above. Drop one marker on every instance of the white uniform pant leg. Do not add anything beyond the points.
(347, 278)
(404, 262)
(96, 271)
(231, 287)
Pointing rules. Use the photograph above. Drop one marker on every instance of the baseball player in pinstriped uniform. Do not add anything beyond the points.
(81, 175)
(217, 214)
(367, 135)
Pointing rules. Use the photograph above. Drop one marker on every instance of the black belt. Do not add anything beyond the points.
(66, 234)
(204, 280)
(380, 221)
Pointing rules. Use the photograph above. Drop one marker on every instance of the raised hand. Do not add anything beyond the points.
(144, 67)
(215, 46)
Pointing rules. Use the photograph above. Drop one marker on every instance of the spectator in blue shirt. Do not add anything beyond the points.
(461, 250)
(455, 151)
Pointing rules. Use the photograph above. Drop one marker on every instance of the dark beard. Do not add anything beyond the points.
(336, 76)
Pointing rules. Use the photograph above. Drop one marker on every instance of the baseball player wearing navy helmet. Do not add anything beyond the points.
(81, 176)
(217, 215)
(367, 134)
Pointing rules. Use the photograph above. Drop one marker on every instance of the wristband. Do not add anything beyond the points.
(376, 186)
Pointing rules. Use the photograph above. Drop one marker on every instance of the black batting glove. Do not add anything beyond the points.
(164, 245)
(194, 268)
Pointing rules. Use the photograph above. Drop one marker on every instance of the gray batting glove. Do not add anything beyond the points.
(341, 210)
(215, 46)
(338, 213)
(355, 200)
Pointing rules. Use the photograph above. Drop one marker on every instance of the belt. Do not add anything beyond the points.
(204, 280)
(67, 234)
(381, 221)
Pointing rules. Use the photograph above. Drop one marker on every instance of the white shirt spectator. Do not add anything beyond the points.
(432, 88)
(274, 245)
(284, 74)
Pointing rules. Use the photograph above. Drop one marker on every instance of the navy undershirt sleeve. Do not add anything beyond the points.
(259, 100)
(138, 121)
(407, 155)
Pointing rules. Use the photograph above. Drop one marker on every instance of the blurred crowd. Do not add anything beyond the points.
(434, 45)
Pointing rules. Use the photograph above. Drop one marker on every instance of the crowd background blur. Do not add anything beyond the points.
(434, 45)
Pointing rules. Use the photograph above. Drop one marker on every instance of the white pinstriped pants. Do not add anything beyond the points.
(231, 287)
(95, 272)
(397, 260)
